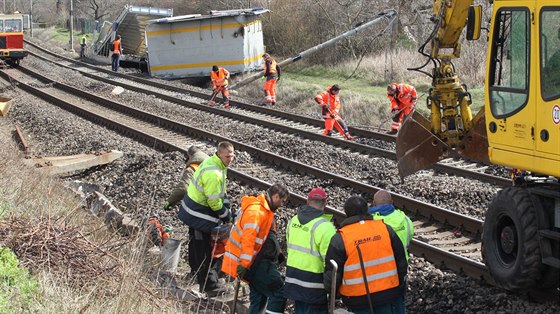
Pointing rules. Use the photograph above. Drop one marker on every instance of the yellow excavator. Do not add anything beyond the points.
(519, 127)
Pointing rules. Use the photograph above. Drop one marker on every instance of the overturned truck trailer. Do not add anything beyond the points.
(188, 46)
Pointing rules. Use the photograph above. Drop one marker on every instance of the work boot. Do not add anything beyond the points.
(392, 132)
(217, 288)
(348, 136)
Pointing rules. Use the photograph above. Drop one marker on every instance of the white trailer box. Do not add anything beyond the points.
(189, 45)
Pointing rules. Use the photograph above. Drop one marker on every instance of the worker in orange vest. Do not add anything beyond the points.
(403, 100)
(372, 265)
(117, 52)
(272, 74)
(253, 250)
(330, 104)
(219, 77)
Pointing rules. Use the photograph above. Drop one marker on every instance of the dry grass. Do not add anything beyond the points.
(81, 266)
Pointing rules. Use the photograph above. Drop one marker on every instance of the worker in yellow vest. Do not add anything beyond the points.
(383, 209)
(307, 237)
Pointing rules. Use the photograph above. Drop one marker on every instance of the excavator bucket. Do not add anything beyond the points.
(475, 142)
(417, 147)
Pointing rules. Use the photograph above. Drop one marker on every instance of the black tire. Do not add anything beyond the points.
(510, 243)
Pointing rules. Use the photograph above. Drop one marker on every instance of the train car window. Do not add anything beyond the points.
(509, 66)
(550, 53)
(1, 26)
(12, 26)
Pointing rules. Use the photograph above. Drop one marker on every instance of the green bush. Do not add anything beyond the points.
(18, 290)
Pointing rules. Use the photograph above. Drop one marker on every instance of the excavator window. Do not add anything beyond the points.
(509, 72)
(550, 53)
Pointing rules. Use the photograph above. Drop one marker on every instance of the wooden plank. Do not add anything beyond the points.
(65, 164)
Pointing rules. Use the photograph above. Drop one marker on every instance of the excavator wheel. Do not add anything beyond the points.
(510, 241)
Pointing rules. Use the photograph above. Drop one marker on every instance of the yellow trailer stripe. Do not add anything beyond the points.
(203, 64)
(198, 28)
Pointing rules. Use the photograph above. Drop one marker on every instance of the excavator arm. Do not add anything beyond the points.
(451, 128)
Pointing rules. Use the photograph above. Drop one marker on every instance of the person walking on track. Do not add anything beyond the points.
(272, 74)
(83, 45)
(117, 52)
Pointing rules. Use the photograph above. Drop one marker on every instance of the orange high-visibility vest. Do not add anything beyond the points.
(117, 46)
(248, 234)
(406, 98)
(332, 101)
(378, 258)
(219, 79)
(272, 69)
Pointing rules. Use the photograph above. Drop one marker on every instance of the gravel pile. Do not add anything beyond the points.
(139, 182)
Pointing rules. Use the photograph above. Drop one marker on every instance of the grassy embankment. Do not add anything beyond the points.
(76, 263)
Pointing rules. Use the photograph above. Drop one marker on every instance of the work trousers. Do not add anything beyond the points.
(225, 93)
(200, 257)
(338, 124)
(308, 308)
(266, 284)
(397, 121)
(270, 90)
(395, 307)
(82, 51)
(115, 61)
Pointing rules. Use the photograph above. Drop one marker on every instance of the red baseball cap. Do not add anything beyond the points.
(317, 194)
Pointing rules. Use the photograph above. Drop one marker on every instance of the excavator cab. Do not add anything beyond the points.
(451, 131)
(519, 127)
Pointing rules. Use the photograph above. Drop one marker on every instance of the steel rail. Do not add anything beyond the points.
(437, 213)
(434, 254)
(276, 126)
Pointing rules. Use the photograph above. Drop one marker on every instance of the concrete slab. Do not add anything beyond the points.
(67, 164)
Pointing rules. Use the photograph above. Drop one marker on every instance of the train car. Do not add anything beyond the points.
(11, 38)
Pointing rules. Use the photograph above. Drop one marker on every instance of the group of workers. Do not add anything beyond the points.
(365, 260)
(403, 98)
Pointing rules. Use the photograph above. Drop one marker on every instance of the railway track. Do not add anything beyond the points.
(442, 236)
(306, 127)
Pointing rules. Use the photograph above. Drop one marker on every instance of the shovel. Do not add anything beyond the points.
(236, 294)
(211, 102)
(333, 286)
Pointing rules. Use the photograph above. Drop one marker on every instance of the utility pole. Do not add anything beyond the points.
(4, 6)
(72, 25)
(31, 19)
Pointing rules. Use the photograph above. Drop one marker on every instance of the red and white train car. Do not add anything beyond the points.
(11, 37)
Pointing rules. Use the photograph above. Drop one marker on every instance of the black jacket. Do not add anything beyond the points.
(337, 252)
